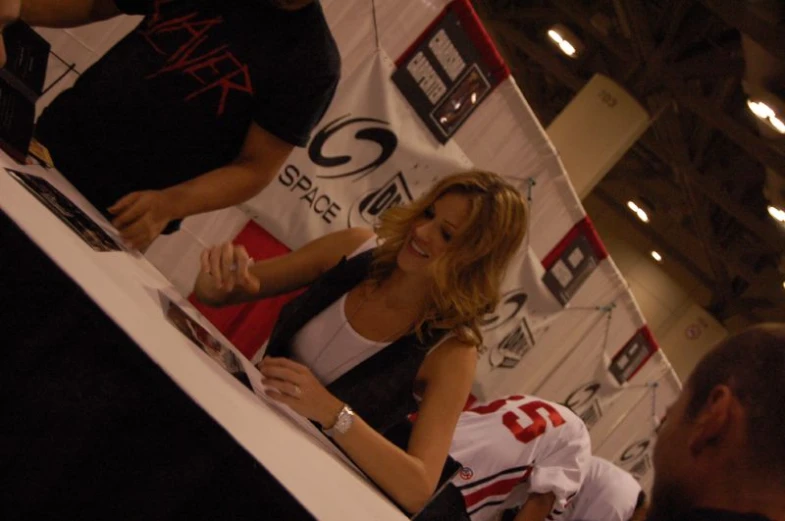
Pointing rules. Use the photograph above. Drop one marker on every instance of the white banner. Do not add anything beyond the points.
(551, 333)
(368, 153)
(629, 442)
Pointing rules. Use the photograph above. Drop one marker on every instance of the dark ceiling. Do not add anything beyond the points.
(703, 163)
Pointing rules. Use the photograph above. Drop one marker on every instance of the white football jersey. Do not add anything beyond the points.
(608, 493)
(515, 446)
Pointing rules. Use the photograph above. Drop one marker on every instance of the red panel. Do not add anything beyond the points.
(474, 28)
(649, 338)
(249, 325)
(482, 40)
(582, 227)
(654, 348)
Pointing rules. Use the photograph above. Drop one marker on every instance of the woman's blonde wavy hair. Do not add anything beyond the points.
(467, 278)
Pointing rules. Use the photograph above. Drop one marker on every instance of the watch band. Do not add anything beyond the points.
(343, 421)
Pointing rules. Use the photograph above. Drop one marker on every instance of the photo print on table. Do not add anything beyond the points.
(204, 340)
(73, 216)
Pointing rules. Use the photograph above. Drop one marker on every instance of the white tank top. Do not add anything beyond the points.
(328, 344)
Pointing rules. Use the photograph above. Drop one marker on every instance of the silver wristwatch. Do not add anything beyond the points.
(343, 421)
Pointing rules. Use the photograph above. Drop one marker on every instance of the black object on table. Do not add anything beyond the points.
(91, 428)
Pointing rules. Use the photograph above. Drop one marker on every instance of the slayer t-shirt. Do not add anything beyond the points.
(174, 99)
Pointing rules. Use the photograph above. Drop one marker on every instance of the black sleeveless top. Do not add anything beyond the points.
(379, 389)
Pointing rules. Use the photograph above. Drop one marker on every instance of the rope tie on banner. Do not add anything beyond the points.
(530, 183)
(609, 310)
(652, 386)
(551, 318)
(654, 420)
(375, 25)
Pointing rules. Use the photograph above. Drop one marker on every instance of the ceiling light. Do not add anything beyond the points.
(760, 109)
(640, 212)
(778, 124)
(777, 214)
(656, 256)
(767, 115)
(565, 40)
(567, 48)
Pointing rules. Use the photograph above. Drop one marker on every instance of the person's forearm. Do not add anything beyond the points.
(207, 294)
(217, 189)
(399, 474)
(66, 13)
(536, 508)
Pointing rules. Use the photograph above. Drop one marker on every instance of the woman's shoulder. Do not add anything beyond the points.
(454, 341)
(368, 238)
(350, 242)
(451, 357)
(451, 348)
(458, 337)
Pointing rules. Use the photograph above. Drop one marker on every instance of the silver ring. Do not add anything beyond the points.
(297, 391)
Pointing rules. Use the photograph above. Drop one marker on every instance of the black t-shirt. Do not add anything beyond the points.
(174, 99)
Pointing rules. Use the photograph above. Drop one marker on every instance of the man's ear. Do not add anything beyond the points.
(713, 421)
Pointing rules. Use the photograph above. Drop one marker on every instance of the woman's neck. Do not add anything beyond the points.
(402, 291)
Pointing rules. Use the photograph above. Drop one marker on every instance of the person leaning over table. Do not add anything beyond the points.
(195, 110)
(608, 493)
(382, 326)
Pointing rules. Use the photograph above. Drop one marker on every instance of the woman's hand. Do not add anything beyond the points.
(295, 385)
(224, 268)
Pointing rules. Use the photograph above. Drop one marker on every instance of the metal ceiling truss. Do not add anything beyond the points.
(681, 58)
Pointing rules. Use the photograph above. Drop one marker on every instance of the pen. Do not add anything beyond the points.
(201, 243)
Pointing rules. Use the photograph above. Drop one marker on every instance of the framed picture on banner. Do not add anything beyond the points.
(571, 262)
(449, 70)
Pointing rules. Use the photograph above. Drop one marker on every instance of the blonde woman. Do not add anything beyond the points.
(390, 319)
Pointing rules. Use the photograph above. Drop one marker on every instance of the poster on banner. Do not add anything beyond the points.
(654, 383)
(367, 154)
(552, 344)
(521, 317)
(594, 389)
(444, 76)
(527, 311)
(532, 322)
(573, 260)
(584, 381)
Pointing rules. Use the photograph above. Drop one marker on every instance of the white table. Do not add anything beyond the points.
(125, 287)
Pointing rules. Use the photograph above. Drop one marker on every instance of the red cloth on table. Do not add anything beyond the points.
(249, 325)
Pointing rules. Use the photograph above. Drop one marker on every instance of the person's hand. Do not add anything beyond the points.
(140, 217)
(224, 268)
(294, 384)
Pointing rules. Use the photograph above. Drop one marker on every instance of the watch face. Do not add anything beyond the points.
(345, 420)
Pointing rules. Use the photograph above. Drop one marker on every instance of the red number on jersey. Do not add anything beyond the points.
(494, 405)
(510, 419)
(538, 426)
